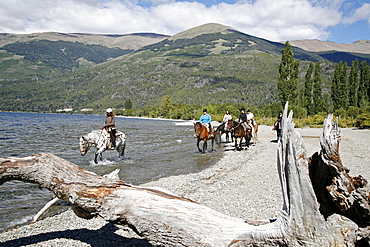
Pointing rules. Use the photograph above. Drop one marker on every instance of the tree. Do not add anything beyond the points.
(353, 84)
(308, 94)
(339, 88)
(317, 91)
(364, 85)
(128, 104)
(166, 106)
(288, 76)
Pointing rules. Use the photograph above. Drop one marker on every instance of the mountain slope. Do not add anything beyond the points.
(124, 41)
(209, 64)
(62, 55)
(359, 46)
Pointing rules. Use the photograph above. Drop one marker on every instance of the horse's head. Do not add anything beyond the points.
(84, 145)
(229, 125)
(197, 128)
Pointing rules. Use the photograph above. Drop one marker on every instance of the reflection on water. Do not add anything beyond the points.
(155, 149)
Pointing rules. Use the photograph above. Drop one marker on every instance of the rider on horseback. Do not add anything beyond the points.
(206, 119)
(109, 126)
(250, 117)
(227, 117)
(243, 119)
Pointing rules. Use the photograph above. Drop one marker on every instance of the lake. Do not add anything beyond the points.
(155, 149)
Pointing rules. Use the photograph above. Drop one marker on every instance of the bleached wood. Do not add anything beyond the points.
(46, 207)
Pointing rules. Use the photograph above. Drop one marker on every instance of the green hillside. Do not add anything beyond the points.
(63, 55)
(217, 67)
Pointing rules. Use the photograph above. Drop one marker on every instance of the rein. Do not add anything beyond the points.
(88, 144)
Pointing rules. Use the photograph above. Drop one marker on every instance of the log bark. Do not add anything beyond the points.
(164, 219)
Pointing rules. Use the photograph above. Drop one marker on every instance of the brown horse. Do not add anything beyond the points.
(201, 133)
(239, 133)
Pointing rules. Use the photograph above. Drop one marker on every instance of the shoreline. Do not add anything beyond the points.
(241, 184)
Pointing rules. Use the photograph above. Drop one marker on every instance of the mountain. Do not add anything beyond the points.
(359, 46)
(211, 63)
(336, 52)
(125, 41)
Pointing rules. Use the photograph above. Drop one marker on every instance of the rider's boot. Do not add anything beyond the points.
(211, 133)
(113, 139)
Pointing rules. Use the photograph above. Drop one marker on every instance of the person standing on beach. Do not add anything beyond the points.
(277, 125)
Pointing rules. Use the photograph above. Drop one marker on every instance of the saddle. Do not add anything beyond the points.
(211, 132)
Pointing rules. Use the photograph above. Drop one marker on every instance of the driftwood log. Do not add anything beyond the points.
(322, 204)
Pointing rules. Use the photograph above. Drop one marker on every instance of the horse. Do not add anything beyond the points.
(221, 129)
(201, 133)
(102, 141)
(239, 133)
(254, 130)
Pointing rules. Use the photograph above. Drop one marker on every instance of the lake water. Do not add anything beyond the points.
(155, 149)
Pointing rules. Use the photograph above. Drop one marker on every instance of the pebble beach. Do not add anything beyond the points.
(241, 184)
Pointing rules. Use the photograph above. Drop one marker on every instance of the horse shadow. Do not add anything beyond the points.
(103, 237)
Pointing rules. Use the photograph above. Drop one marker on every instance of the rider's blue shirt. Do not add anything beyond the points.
(205, 118)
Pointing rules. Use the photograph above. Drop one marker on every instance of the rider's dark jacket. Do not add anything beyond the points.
(243, 117)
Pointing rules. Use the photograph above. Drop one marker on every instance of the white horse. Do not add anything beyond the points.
(102, 141)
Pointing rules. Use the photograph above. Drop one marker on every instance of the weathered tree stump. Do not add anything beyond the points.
(322, 204)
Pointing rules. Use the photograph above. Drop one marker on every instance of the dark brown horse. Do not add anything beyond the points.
(201, 133)
(239, 133)
(221, 129)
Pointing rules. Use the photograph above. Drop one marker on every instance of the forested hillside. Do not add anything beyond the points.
(222, 66)
(62, 55)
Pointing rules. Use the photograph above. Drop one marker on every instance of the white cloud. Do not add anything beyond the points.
(277, 20)
(359, 14)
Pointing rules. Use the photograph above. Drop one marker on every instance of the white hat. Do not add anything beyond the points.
(109, 110)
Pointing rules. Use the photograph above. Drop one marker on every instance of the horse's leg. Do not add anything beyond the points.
(122, 149)
(213, 141)
(96, 158)
(99, 153)
(200, 150)
(204, 145)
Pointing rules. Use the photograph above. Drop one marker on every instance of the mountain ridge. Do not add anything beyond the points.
(137, 40)
(315, 45)
(132, 41)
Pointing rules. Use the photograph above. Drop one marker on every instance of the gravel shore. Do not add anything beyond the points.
(242, 184)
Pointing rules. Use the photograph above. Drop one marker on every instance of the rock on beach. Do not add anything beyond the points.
(242, 184)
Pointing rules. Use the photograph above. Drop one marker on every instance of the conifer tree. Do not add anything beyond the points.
(317, 91)
(128, 104)
(353, 84)
(166, 106)
(288, 76)
(344, 86)
(335, 86)
(364, 85)
(308, 94)
(339, 88)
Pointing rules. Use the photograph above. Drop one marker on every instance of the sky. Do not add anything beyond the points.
(340, 21)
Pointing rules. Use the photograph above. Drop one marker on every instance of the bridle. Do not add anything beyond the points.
(84, 143)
